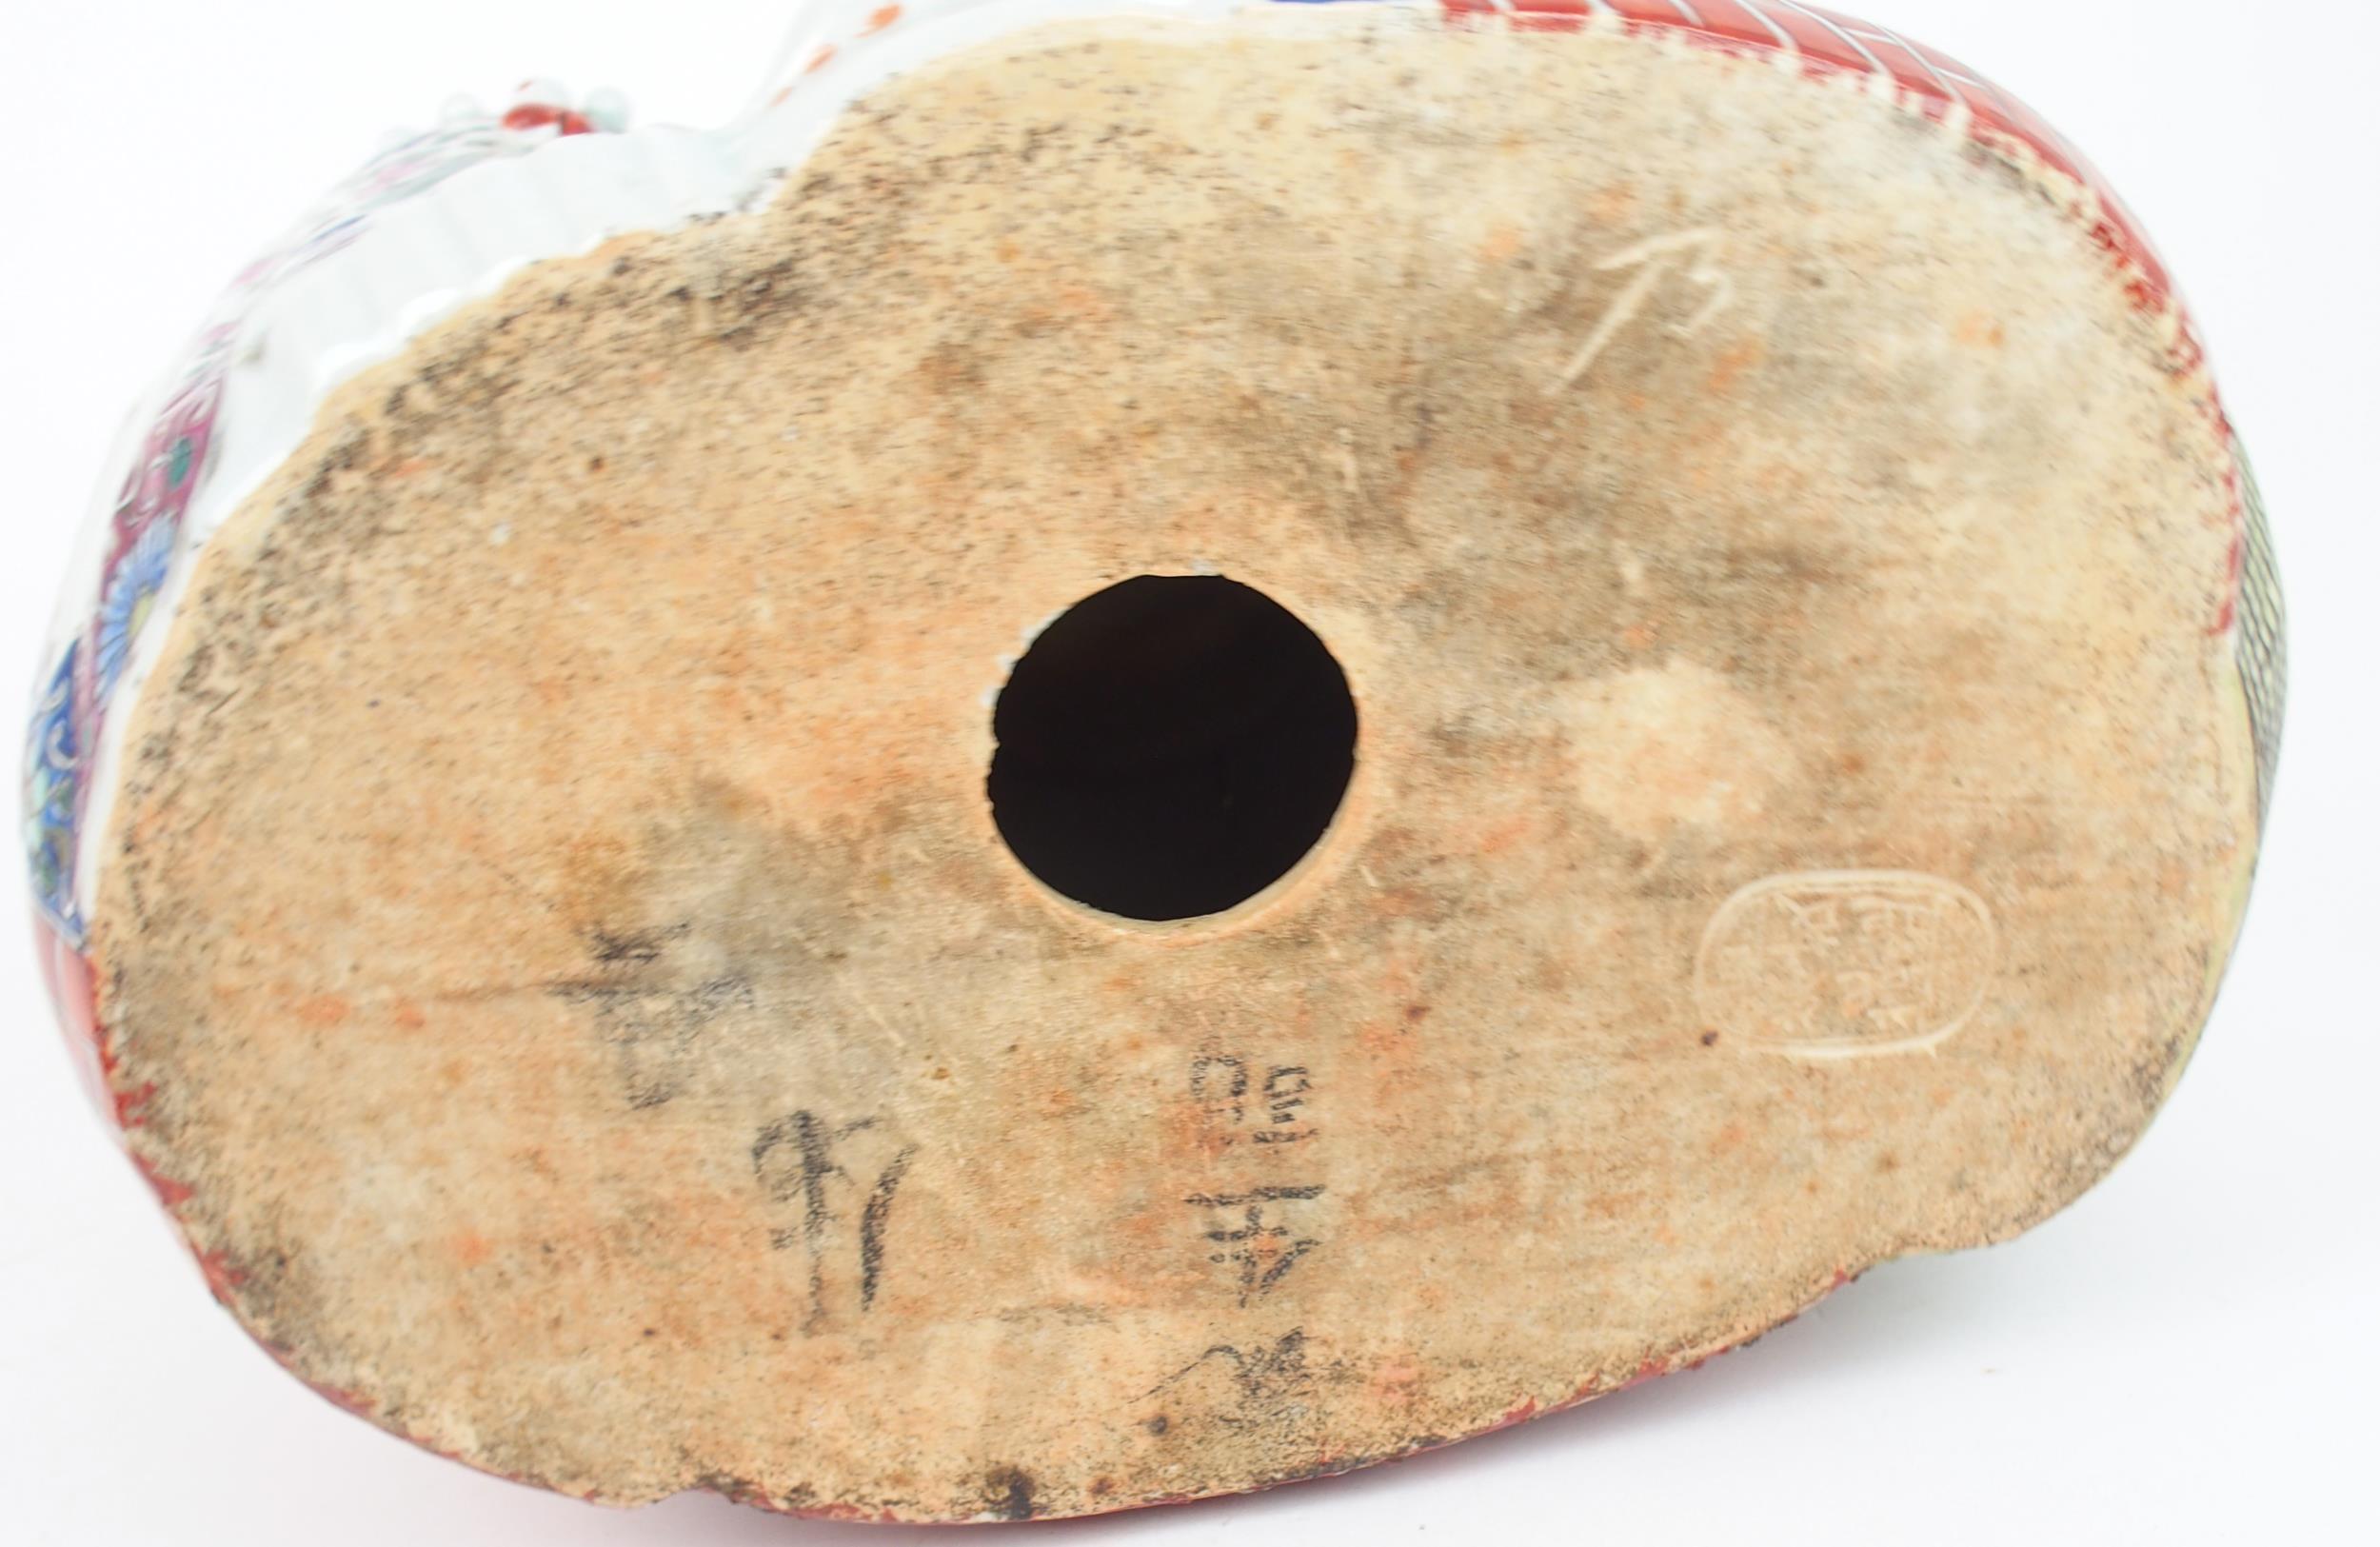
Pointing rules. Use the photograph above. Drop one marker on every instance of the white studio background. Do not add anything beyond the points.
(2189, 1355)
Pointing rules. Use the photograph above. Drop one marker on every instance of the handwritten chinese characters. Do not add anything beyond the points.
(1262, 1228)
(1261, 1249)
(800, 1161)
(1237, 1104)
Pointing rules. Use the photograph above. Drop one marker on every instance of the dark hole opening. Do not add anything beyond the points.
(1170, 746)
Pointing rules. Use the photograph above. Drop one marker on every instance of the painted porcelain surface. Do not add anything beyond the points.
(440, 217)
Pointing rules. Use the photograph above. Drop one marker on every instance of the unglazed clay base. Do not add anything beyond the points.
(1802, 797)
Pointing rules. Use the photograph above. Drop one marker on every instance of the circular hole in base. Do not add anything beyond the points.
(1170, 746)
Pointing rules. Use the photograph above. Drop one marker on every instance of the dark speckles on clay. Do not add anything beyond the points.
(1012, 1493)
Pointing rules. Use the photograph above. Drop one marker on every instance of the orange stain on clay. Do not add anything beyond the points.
(320, 1012)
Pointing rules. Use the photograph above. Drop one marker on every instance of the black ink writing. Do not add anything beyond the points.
(1285, 1090)
(656, 1029)
(1261, 1250)
(1221, 1085)
(796, 1161)
(1268, 1371)
(1237, 1105)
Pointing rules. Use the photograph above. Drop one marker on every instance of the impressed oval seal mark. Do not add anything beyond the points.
(1846, 963)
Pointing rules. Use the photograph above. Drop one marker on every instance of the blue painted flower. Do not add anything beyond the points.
(133, 588)
(52, 755)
